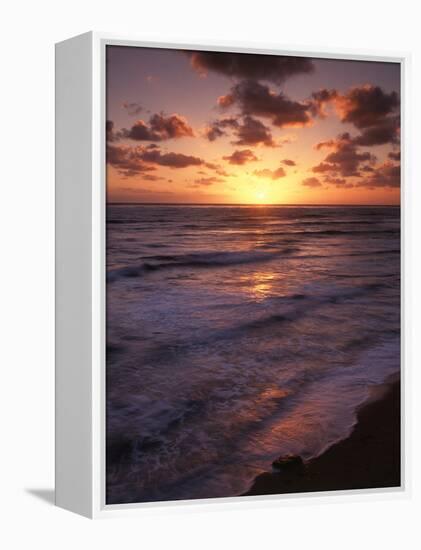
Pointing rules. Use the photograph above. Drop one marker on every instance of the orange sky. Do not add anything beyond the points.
(202, 127)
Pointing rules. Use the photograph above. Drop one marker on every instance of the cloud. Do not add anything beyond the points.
(346, 166)
(211, 165)
(127, 160)
(385, 175)
(289, 162)
(249, 131)
(221, 172)
(257, 99)
(385, 131)
(213, 132)
(253, 132)
(366, 106)
(323, 167)
(173, 126)
(311, 182)
(160, 128)
(366, 168)
(217, 128)
(171, 160)
(372, 111)
(250, 66)
(207, 181)
(272, 174)
(329, 143)
(109, 129)
(338, 182)
(241, 157)
(130, 161)
(217, 168)
(140, 131)
(320, 100)
(395, 155)
(369, 108)
(345, 158)
(151, 177)
(132, 108)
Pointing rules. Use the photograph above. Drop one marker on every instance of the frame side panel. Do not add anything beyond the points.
(73, 274)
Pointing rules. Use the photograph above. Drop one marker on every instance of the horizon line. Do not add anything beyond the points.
(243, 204)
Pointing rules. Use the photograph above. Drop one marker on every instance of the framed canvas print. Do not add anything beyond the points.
(229, 252)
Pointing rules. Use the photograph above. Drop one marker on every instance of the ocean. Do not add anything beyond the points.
(236, 334)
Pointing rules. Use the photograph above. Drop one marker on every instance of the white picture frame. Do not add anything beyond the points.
(80, 273)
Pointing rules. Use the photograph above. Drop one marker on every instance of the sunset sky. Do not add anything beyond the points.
(204, 127)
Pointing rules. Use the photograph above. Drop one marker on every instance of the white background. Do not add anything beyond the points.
(28, 32)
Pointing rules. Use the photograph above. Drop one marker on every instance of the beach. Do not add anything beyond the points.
(369, 458)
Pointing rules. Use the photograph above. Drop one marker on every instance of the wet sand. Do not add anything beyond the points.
(368, 458)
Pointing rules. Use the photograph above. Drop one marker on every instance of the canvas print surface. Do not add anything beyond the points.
(253, 274)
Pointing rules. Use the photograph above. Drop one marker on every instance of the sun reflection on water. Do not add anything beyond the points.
(260, 284)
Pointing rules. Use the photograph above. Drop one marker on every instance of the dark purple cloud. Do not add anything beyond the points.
(127, 161)
(345, 158)
(366, 106)
(372, 111)
(159, 128)
(250, 66)
(131, 161)
(366, 168)
(110, 134)
(172, 126)
(319, 101)
(248, 131)
(369, 108)
(385, 131)
(140, 131)
(218, 128)
(255, 99)
(171, 160)
(253, 132)
(347, 166)
(289, 162)
(385, 175)
(395, 155)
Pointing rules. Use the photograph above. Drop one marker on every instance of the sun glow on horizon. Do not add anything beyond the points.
(261, 197)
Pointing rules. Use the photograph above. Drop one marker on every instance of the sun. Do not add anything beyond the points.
(261, 197)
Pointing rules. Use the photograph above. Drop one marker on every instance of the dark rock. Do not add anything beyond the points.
(288, 463)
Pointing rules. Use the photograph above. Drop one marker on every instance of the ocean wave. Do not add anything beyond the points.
(284, 312)
(172, 455)
(199, 260)
(309, 303)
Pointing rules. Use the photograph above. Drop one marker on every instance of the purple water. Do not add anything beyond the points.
(236, 334)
